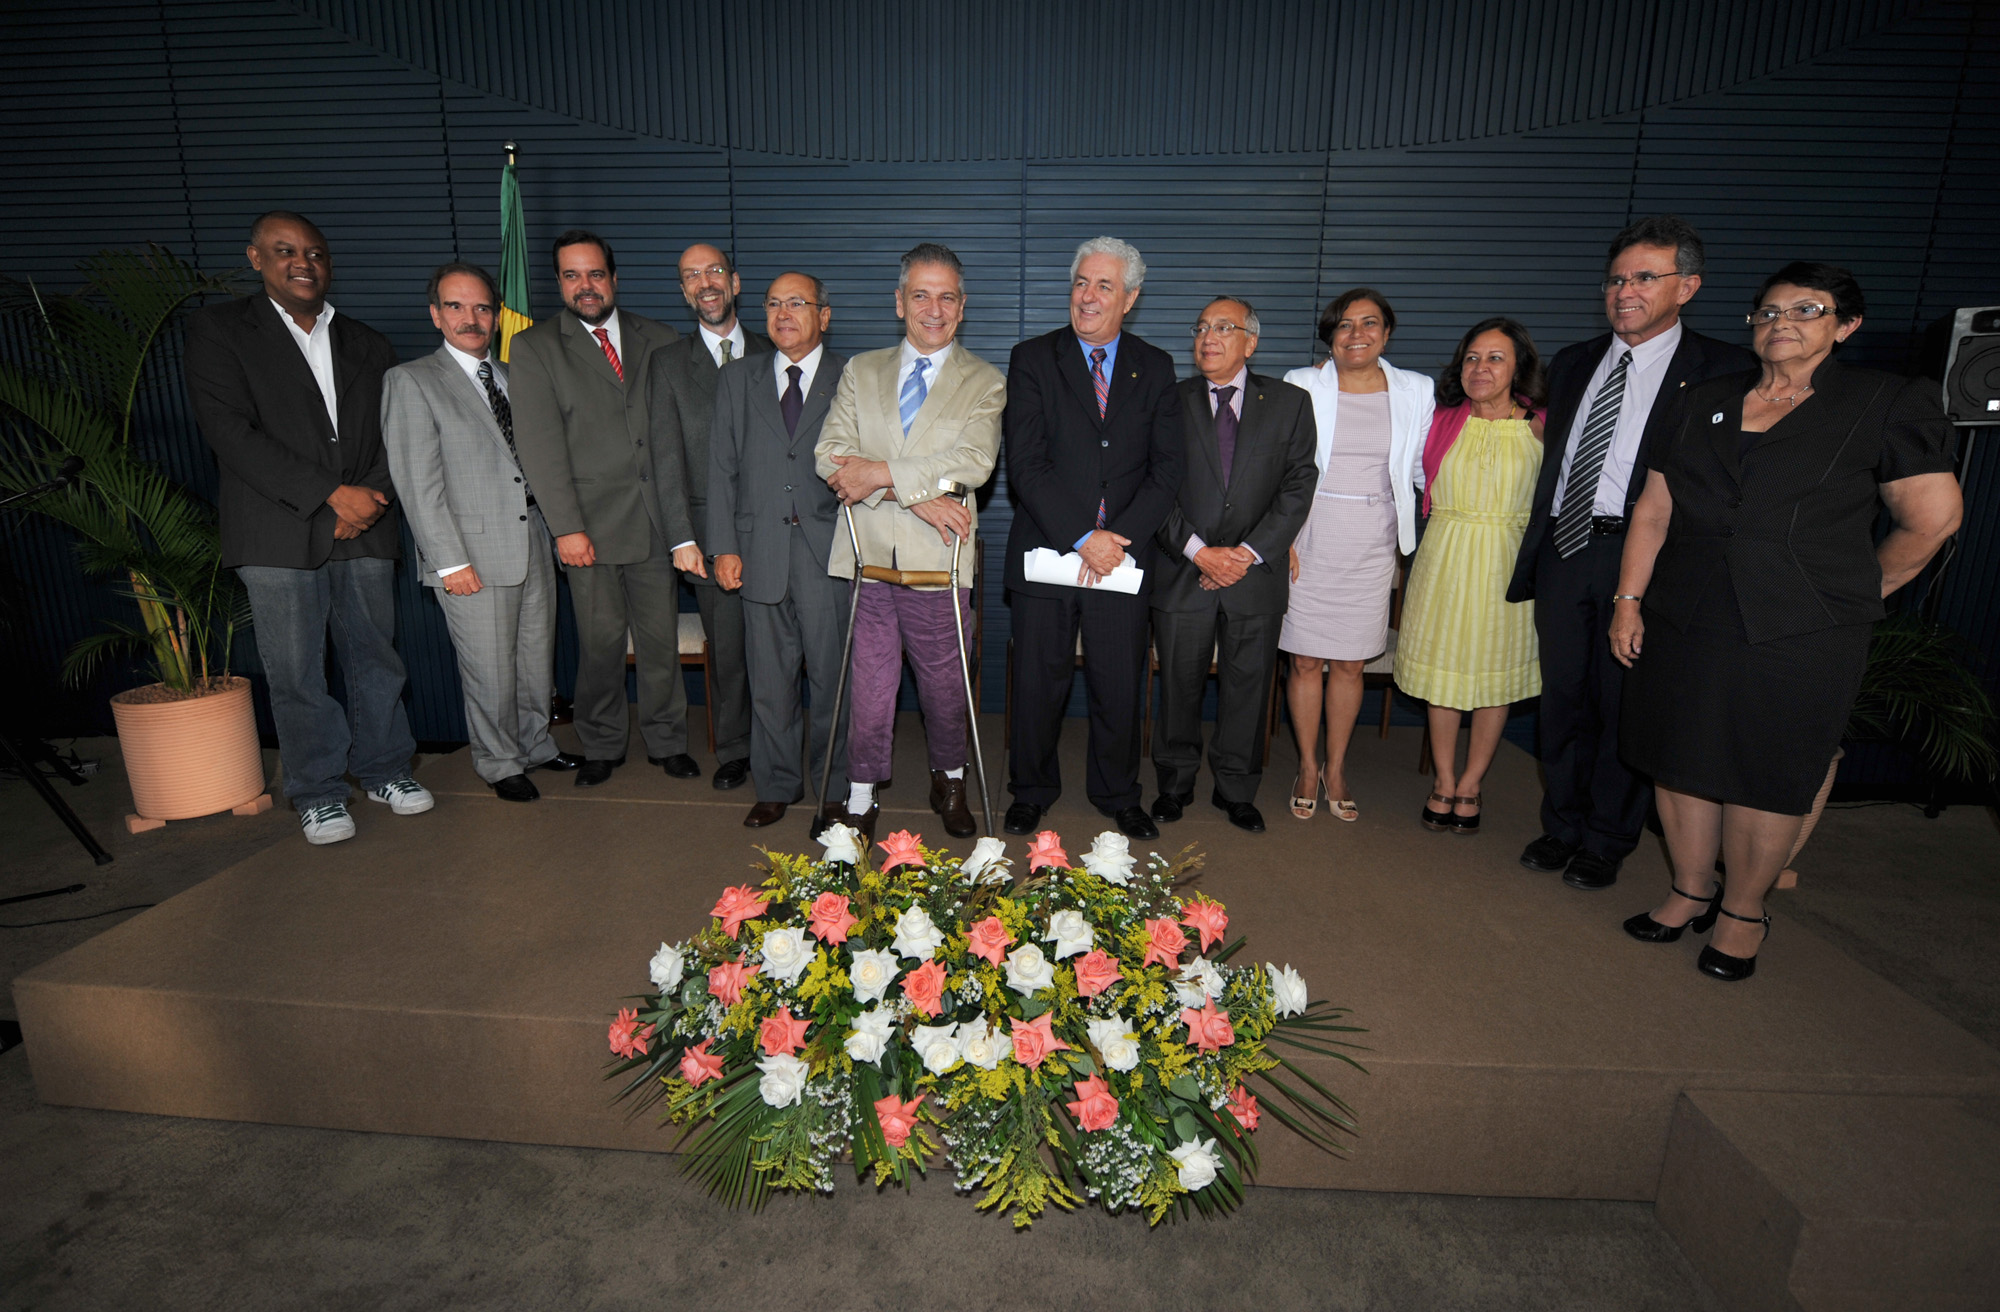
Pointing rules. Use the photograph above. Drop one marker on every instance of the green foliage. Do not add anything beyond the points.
(1920, 688)
(72, 393)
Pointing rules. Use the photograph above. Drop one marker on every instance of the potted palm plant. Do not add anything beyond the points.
(189, 737)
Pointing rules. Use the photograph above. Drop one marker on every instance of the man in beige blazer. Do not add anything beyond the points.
(905, 419)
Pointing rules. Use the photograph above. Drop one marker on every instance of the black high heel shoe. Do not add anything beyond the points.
(1648, 930)
(1438, 822)
(1722, 966)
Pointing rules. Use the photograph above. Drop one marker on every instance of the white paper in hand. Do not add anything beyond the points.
(1042, 565)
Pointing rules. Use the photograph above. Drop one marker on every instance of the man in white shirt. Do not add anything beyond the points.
(449, 430)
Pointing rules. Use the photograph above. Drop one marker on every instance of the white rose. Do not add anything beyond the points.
(1029, 971)
(784, 1080)
(1110, 857)
(983, 1045)
(666, 968)
(1288, 990)
(1198, 1163)
(937, 1047)
(1114, 1042)
(786, 954)
(916, 936)
(988, 855)
(872, 971)
(841, 843)
(1198, 981)
(1070, 933)
(871, 1035)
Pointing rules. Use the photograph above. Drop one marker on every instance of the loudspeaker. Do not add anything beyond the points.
(1972, 371)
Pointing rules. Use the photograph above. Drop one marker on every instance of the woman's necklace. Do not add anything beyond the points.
(1791, 400)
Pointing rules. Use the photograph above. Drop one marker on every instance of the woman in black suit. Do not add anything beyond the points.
(1752, 548)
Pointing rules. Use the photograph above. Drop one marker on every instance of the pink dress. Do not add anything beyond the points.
(1339, 607)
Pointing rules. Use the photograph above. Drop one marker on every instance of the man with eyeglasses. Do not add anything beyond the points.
(1610, 399)
(683, 410)
(1222, 584)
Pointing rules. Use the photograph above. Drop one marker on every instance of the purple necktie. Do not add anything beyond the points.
(793, 403)
(1225, 428)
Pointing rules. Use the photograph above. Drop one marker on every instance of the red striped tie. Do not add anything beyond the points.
(1103, 385)
(610, 352)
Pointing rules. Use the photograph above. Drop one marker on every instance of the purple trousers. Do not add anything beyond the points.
(890, 623)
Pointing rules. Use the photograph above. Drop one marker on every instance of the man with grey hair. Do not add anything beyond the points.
(1094, 457)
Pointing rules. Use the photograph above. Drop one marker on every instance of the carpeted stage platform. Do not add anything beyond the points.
(452, 974)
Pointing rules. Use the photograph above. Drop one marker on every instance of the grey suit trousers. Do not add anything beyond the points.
(505, 638)
(1245, 650)
(646, 599)
(729, 692)
(808, 627)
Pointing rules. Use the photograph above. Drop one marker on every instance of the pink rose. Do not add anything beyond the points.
(1209, 1028)
(628, 1036)
(1165, 943)
(1047, 850)
(725, 982)
(1094, 1108)
(989, 939)
(831, 920)
(698, 1064)
(901, 848)
(1096, 972)
(898, 1118)
(1034, 1040)
(782, 1034)
(1208, 918)
(738, 905)
(1243, 1106)
(923, 986)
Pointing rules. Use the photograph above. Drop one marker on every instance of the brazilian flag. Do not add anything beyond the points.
(514, 312)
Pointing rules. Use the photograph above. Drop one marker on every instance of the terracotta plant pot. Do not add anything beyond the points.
(191, 756)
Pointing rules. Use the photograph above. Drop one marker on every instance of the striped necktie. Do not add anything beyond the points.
(1100, 380)
(1580, 493)
(914, 392)
(610, 352)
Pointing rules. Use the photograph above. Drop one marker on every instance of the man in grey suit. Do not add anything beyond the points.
(480, 537)
(771, 525)
(580, 423)
(683, 410)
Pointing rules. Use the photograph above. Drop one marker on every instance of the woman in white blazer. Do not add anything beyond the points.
(1372, 419)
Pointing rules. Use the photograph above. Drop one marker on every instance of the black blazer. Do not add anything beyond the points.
(260, 410)
(1791, 521)
(681, 407)
(1263, 505)
(1061, 458)
(1695, 360)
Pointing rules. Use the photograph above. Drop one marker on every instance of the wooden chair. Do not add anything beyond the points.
(695, 653)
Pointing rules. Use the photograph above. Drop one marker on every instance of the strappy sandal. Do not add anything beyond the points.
(1648, 930)
(1439, 822)
(1343, 808)
(1465, 824)
(1303, 807)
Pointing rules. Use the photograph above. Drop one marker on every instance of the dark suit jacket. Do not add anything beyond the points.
(1695, 360)
(260, 410)
(760, 477)
(682, 407)
(1061, 457)
(1792, 520)
(1263, 505)
(582, 433)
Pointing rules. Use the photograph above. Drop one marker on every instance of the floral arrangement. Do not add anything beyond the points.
(1075, 1034)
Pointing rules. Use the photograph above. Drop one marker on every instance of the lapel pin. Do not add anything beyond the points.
(1715, 418)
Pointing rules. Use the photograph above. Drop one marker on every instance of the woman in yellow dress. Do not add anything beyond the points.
(1464, 646)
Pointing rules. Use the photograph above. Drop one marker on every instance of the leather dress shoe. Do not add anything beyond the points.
(678, 766)
(764, 813)
(732, 774)
(1547, 854)
(593, 773)
(1590, 872)
(948, 800)
(516, 788)
(1133, 822)
(1244, 815)
(1022, 818)
(561, 761)
(1169, 807)
(1720, 965)
(833, 813)
(865, 822)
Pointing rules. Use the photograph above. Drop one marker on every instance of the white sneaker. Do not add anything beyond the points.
(327, 823)
(404, 795)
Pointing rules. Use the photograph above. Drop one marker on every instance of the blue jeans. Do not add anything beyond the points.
(318, 743)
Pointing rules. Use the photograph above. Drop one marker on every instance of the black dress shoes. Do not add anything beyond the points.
(1648, 930)
(593, 773)
(678, 766)
(1133, 822)
(732, 774)
(948, 800)
(866, 824)
(833, 813)
(1590, 872)
(1168, 807)
(1547, 854)
(516, 788)
(764, 813)
(1722, 966)
(1022, 818)
(1244, 815)
(561, 761)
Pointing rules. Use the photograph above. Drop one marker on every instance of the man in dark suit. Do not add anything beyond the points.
(683, 409)
(1222, 582)
(771, 524)
(579, 392)
(289, 396)
(1094, 450)
(1610, 402)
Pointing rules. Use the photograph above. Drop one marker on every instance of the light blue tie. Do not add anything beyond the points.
(914, 393)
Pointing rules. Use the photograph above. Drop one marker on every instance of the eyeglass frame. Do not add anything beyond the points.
(1762, 318)
(1643, 278)
(1224, 330)
(689, 276)
(792, 303)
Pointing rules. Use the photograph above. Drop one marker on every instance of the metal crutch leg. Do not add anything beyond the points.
(971, 708)
(846, 662)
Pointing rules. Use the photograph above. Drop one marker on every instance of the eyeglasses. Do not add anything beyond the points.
(691, 276)
(1223, 330)
(1643, 279)
(1771, 313)
(792, 303)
